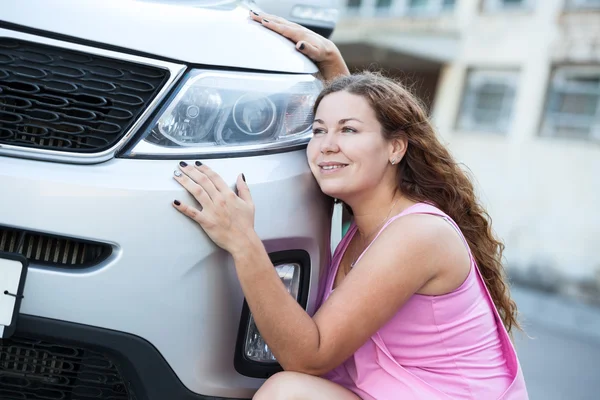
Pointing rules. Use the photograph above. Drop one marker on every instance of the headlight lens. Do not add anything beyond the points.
(255, 347)
(217, 112)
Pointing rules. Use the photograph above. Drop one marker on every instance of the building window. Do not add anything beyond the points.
(383, 4)
(383, 7)
(488, 100)
(505, 5)
(429, 7)
(354, 4)
(416, 4)
(583, 4)
(371, 8)
(448, 4)
(573, 105)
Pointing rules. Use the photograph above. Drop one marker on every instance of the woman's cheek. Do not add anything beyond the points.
(312, 151)
(311, 156)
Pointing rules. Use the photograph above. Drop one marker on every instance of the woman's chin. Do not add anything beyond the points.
(335, 192)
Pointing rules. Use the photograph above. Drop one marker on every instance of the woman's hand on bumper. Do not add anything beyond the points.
(226, 217)
(319, 49)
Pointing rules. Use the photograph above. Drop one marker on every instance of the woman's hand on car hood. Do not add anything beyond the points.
(226, 217)
(319, 49)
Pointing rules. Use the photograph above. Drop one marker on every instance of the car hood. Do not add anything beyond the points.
(201, 32)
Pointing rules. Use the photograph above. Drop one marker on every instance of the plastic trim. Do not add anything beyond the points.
(264, 370)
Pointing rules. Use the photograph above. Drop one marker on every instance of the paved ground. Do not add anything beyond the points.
(561, 359)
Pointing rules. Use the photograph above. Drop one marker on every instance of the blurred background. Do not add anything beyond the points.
(513, 87)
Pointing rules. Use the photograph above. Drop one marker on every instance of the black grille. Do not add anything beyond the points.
(57, 99)
(53, 251)
(37, 370)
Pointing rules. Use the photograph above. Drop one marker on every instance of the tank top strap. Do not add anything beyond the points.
(420, 208)
(517, 388)
(425, 208)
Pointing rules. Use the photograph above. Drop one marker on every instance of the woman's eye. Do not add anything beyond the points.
(318, 131)
(348, 129)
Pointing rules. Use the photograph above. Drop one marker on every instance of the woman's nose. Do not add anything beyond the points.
(329, 144)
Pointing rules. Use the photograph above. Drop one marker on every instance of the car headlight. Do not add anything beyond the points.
(255, 347)
(220, 112)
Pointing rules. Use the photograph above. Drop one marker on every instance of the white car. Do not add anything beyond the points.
(125, 298)
(320, 16)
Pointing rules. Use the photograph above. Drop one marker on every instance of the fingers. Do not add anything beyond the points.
(288, 29)
(208, 188)
(243, 189)
(189, 211)
(309, 50)
(259, 17)
(291, 32)
(196, 190)
(214, 177)
(307, 42)
(199, 178)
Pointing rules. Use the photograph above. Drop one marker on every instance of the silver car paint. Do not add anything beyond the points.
(284, 9)
(183, 32)
(176, 71)
(166, 281)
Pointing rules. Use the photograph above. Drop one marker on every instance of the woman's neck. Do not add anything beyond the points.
(370, 214)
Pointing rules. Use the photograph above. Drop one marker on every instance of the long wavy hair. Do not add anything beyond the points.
(429, 173)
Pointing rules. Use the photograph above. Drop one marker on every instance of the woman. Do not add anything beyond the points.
(410, 305)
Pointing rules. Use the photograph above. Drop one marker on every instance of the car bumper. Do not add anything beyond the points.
(165, 281)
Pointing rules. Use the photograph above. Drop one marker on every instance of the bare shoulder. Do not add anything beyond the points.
(428, 243)
(421, 231)
(414, 254)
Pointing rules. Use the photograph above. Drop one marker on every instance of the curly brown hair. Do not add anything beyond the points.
(429, 173)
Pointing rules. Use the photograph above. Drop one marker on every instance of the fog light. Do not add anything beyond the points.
(255, 348)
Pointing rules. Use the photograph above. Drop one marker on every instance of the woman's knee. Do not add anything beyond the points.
(281, 386)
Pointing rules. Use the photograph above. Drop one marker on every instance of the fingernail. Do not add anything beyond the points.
(177, 173)
(198, 163)
(302, 46)
(243, 177)
(254, 12)
(183, 163)
(266, 20)
(176, 202)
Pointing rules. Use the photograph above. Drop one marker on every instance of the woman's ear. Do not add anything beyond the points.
(398, 149)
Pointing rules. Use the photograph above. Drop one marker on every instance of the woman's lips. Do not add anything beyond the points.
(331, 168)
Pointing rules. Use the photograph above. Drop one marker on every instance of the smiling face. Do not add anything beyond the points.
(348, 154)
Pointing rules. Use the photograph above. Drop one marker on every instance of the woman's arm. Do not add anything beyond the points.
(319, 49)
(368, 297)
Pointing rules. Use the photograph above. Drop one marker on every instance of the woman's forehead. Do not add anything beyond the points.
(343, 105)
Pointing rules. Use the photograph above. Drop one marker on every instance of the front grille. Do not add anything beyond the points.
(56, 251)
(57, 99)
(33, 369)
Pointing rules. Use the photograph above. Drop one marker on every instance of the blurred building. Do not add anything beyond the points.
(514, 87)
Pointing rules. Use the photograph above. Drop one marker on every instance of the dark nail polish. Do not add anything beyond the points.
(243, 177)
(183, 163)
(302, 46)
(266, 20)
(254, 12)
(176, 202)
(198, 163)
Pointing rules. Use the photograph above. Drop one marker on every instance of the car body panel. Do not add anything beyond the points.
(285, 9)
(165, 281)
(181, 31)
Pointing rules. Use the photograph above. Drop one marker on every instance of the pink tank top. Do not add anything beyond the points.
(452, 346)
